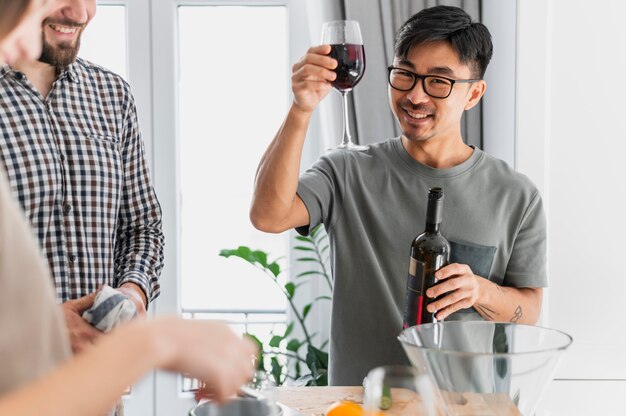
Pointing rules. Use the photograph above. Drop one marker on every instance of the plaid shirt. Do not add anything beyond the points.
(75, 160)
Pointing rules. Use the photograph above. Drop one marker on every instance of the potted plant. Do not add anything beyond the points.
(301, 359)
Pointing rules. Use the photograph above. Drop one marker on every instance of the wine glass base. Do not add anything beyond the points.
(349, 146)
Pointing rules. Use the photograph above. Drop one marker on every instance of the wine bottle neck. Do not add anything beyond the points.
(433, 215)
(432, 228)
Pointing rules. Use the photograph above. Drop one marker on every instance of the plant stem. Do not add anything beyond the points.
(292, 305)
(286, 354)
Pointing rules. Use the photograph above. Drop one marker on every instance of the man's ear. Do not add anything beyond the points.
(475, 94)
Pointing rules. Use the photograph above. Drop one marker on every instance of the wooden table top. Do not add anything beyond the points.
(313, 401)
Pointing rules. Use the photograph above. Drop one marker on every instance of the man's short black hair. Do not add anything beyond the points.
(471, 40)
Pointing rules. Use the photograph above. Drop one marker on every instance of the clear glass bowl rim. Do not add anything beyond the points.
(568, 340)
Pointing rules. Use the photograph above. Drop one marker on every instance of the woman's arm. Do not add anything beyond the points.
(91, 382)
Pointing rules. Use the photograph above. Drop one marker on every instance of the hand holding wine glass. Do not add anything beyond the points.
(312, 78)
(344, 38)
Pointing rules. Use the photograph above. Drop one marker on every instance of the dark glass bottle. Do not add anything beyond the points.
(430, 251)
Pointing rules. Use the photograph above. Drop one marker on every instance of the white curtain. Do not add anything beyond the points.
(373, 120)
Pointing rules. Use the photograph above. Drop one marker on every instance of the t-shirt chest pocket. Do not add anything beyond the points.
(478, 257)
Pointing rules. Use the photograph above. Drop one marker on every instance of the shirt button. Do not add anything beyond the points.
(67, 208)
(62, 157)
(19, 76)
(72, 258)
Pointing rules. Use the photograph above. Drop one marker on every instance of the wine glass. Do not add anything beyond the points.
(346, 46)
(399, 390)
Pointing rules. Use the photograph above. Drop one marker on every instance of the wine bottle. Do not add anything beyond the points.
(430, 251)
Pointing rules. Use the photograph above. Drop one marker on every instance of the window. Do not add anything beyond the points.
(205, 150)
(232, 97)
(105, 39)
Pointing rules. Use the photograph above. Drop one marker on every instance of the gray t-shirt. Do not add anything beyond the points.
(373, 204)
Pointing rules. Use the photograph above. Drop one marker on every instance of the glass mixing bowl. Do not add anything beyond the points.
(482, 367)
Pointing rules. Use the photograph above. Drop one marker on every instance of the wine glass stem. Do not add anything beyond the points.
(347, 137)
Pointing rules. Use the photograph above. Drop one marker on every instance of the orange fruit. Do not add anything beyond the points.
(344, 408)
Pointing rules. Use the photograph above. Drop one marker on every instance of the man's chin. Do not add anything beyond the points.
(60, 56)
(416, 138)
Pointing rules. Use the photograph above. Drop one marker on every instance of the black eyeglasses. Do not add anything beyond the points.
(435, 86)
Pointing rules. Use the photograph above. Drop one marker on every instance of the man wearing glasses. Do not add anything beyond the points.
(373, 203)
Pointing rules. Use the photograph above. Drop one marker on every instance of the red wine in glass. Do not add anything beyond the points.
(350, 65)
(346, 46)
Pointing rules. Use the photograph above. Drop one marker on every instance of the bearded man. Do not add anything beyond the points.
(72, 149)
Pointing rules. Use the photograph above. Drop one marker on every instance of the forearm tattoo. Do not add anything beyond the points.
(518, 314)
(485, 311)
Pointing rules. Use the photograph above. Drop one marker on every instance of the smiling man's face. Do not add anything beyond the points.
(62, 31)
(422, 117)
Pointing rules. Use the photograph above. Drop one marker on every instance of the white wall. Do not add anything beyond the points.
(571, 142)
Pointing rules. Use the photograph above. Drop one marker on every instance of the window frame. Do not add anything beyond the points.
(169, 397)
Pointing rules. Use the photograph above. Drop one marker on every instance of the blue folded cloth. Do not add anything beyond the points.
(109, 309)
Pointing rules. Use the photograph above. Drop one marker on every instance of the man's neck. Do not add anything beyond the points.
(438, 153)
(41, 75)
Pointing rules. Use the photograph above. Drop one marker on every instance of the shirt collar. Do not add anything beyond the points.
(5, 69)
(73, 72)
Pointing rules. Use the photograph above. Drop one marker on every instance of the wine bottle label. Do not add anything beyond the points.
(416, 276)
(414, 293)
(412, 266)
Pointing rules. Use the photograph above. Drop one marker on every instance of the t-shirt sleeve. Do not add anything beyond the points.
(321, 189)
(527, 265)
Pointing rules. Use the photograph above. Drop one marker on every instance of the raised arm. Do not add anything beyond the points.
(275, 205)
(93, 381)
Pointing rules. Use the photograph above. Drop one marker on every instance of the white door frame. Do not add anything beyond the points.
(168, 399)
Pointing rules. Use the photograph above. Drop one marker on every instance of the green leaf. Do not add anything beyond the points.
(309, 273)
(259, 346)
(305, 380)
(322, 238)
(227, 253)
(291, 289)
(245, 253)
(288, 330)
(302, 248)
(242, 252)
(306, 310)
(317, 361)
(274, 268)
(275, 341)
(315, 230)
(321, 357)
(304, 239)
(322, 378)
(307, 259)
(293, 345)
(298, 369)
(311, 362)
(260, 257)
(277, 371)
